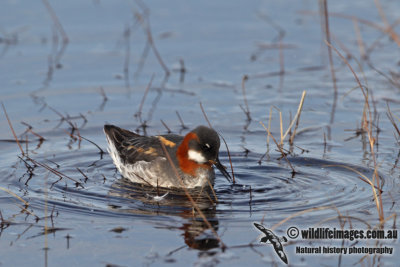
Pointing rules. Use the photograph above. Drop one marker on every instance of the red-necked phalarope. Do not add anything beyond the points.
(141, 159)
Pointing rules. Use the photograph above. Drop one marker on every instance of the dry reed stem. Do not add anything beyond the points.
(139, 112)
(381, 223)
(360, 66)
(223, 139)
(55, 20)
(376, 178)
(14, 195)
(59, 174)
(182, 70)
(84, 175)
(358, 82)
(127, 35)
(360, 41)
(79, 135)
(269, 126)
(155, 101)
(230, 159)
(281, 56)
(26, 145)
(41, 138)
(300, 213)
(388, 28)
(103, 94)
(349, 17)
(281, 127)
(201, 191)
(378, 40)
(296, 118)
(93, 143)
(279, 147)
(153, 46)
(344, 217)
(46, 243)
(390, 116)
(196, 207)
(342, 46)
(365, 179)
(205, 115)
(70, 135)
(25, 209)
(291, 139)
(247, 110)
(166, 126)
(367, 125)
(213, 191)
(145, 23)
(12, 129)
(332, 69)
(142, 60)
(183, 126)
(209, 198)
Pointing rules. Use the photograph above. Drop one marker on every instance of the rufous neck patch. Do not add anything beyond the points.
(188, 166)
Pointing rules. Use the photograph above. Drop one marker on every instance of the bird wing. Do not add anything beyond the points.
(133, 147)
(260, 227)
(279, 250)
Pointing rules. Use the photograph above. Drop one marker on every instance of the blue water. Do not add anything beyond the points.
(109, 221)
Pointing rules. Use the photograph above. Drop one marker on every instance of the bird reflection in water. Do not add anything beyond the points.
(139, 199)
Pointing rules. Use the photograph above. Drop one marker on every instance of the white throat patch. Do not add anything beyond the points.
(196, 156)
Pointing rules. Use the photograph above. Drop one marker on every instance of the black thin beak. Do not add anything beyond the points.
(222, 169)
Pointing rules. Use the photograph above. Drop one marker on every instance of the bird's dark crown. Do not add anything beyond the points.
(207, 142)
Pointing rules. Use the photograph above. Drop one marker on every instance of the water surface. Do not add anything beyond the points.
(83, 212)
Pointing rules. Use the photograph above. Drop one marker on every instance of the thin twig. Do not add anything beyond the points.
(59, 174)
(328, 39)
(388, 28)
(298, 214)
(196, 207)
(12, 129)
(246, 110)
(205, 115)
(390, 116)
(360, 41)
(153, 46)
(127, 35)
(56, 20)
(280, 149)
(139, 112)
(230, 159)
(223, 139)
(14, 195)
(166, 126)
(93, 143)
(84, 175)
(296, 118)
(183, 126)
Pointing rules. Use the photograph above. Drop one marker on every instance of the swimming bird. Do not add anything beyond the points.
(142, 159)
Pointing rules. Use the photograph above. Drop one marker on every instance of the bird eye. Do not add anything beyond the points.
(206, 146)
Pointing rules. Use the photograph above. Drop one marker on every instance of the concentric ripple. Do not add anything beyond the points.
(269, 187)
